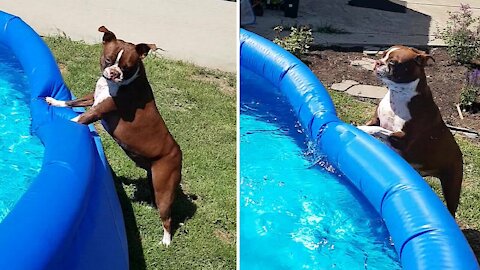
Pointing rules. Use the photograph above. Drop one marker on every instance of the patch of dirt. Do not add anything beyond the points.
(224, 236)
(63, 69)
(222, 82)
(444, 78)
(183, 106)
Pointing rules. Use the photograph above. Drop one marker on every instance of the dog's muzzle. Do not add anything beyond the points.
(114, 72)
(382, 70)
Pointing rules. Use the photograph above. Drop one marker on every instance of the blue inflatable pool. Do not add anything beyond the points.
(424, 233)
(70, 217)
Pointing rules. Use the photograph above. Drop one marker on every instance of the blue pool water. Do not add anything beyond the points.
(295, 214)
(21, 153)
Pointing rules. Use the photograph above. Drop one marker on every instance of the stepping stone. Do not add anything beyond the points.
(367, 91)
(470, 135)
(365, 63)
(372, 51)
(344, 85)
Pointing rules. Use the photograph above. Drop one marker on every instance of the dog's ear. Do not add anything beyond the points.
(422, 59)
(143, 49)
(108, 35)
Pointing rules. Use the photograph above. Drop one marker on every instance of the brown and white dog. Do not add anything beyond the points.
(123, 98)
(409, 121)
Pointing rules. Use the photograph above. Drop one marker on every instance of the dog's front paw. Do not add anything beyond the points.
(57, 103)
(366, 129)
(376, 131)
(397, 140)
(75, 119)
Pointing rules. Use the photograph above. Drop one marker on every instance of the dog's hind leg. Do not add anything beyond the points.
(451, 181)
(166, 176)
(151, 189)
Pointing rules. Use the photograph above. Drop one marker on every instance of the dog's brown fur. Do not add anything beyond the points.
(133, 120)
(425, 141)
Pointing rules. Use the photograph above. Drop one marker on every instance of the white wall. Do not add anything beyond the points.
(200, 31)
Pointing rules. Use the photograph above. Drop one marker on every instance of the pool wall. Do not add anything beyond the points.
(70, 217)
(424, 233)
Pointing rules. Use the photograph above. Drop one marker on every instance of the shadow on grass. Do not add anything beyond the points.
(135, 249)
(183, 207)
(473, 238)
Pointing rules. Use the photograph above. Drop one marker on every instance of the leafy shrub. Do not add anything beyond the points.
(470, 91)
(462, 35)
(297, 42)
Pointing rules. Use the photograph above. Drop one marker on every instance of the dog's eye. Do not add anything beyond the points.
(392, 63)
(108, 61)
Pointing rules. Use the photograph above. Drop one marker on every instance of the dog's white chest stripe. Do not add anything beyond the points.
(103, 90)
(393, 110)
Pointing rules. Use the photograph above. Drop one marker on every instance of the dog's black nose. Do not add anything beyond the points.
(114, 74)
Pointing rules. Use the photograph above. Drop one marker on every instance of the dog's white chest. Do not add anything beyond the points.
(393, 110)
(103, 90)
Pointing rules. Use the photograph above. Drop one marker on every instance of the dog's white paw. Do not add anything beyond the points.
(376, 131)
(379, 133)
(75, 119)
(57, 103)
(167, 238)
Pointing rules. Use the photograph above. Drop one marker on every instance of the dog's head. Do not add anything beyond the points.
(400, 64)
(121, 61)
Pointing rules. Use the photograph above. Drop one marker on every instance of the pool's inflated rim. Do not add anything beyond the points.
(424, 233)
(70, 217)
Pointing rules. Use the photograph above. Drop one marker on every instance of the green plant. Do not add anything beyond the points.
(470, 91)
(468, 96)
(462, 35)
(297, 42)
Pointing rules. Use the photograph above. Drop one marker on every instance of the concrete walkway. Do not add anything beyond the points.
(203, 32)
(365, 25)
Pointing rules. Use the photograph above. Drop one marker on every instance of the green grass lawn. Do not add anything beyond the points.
(354, 111)
(198, 106)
